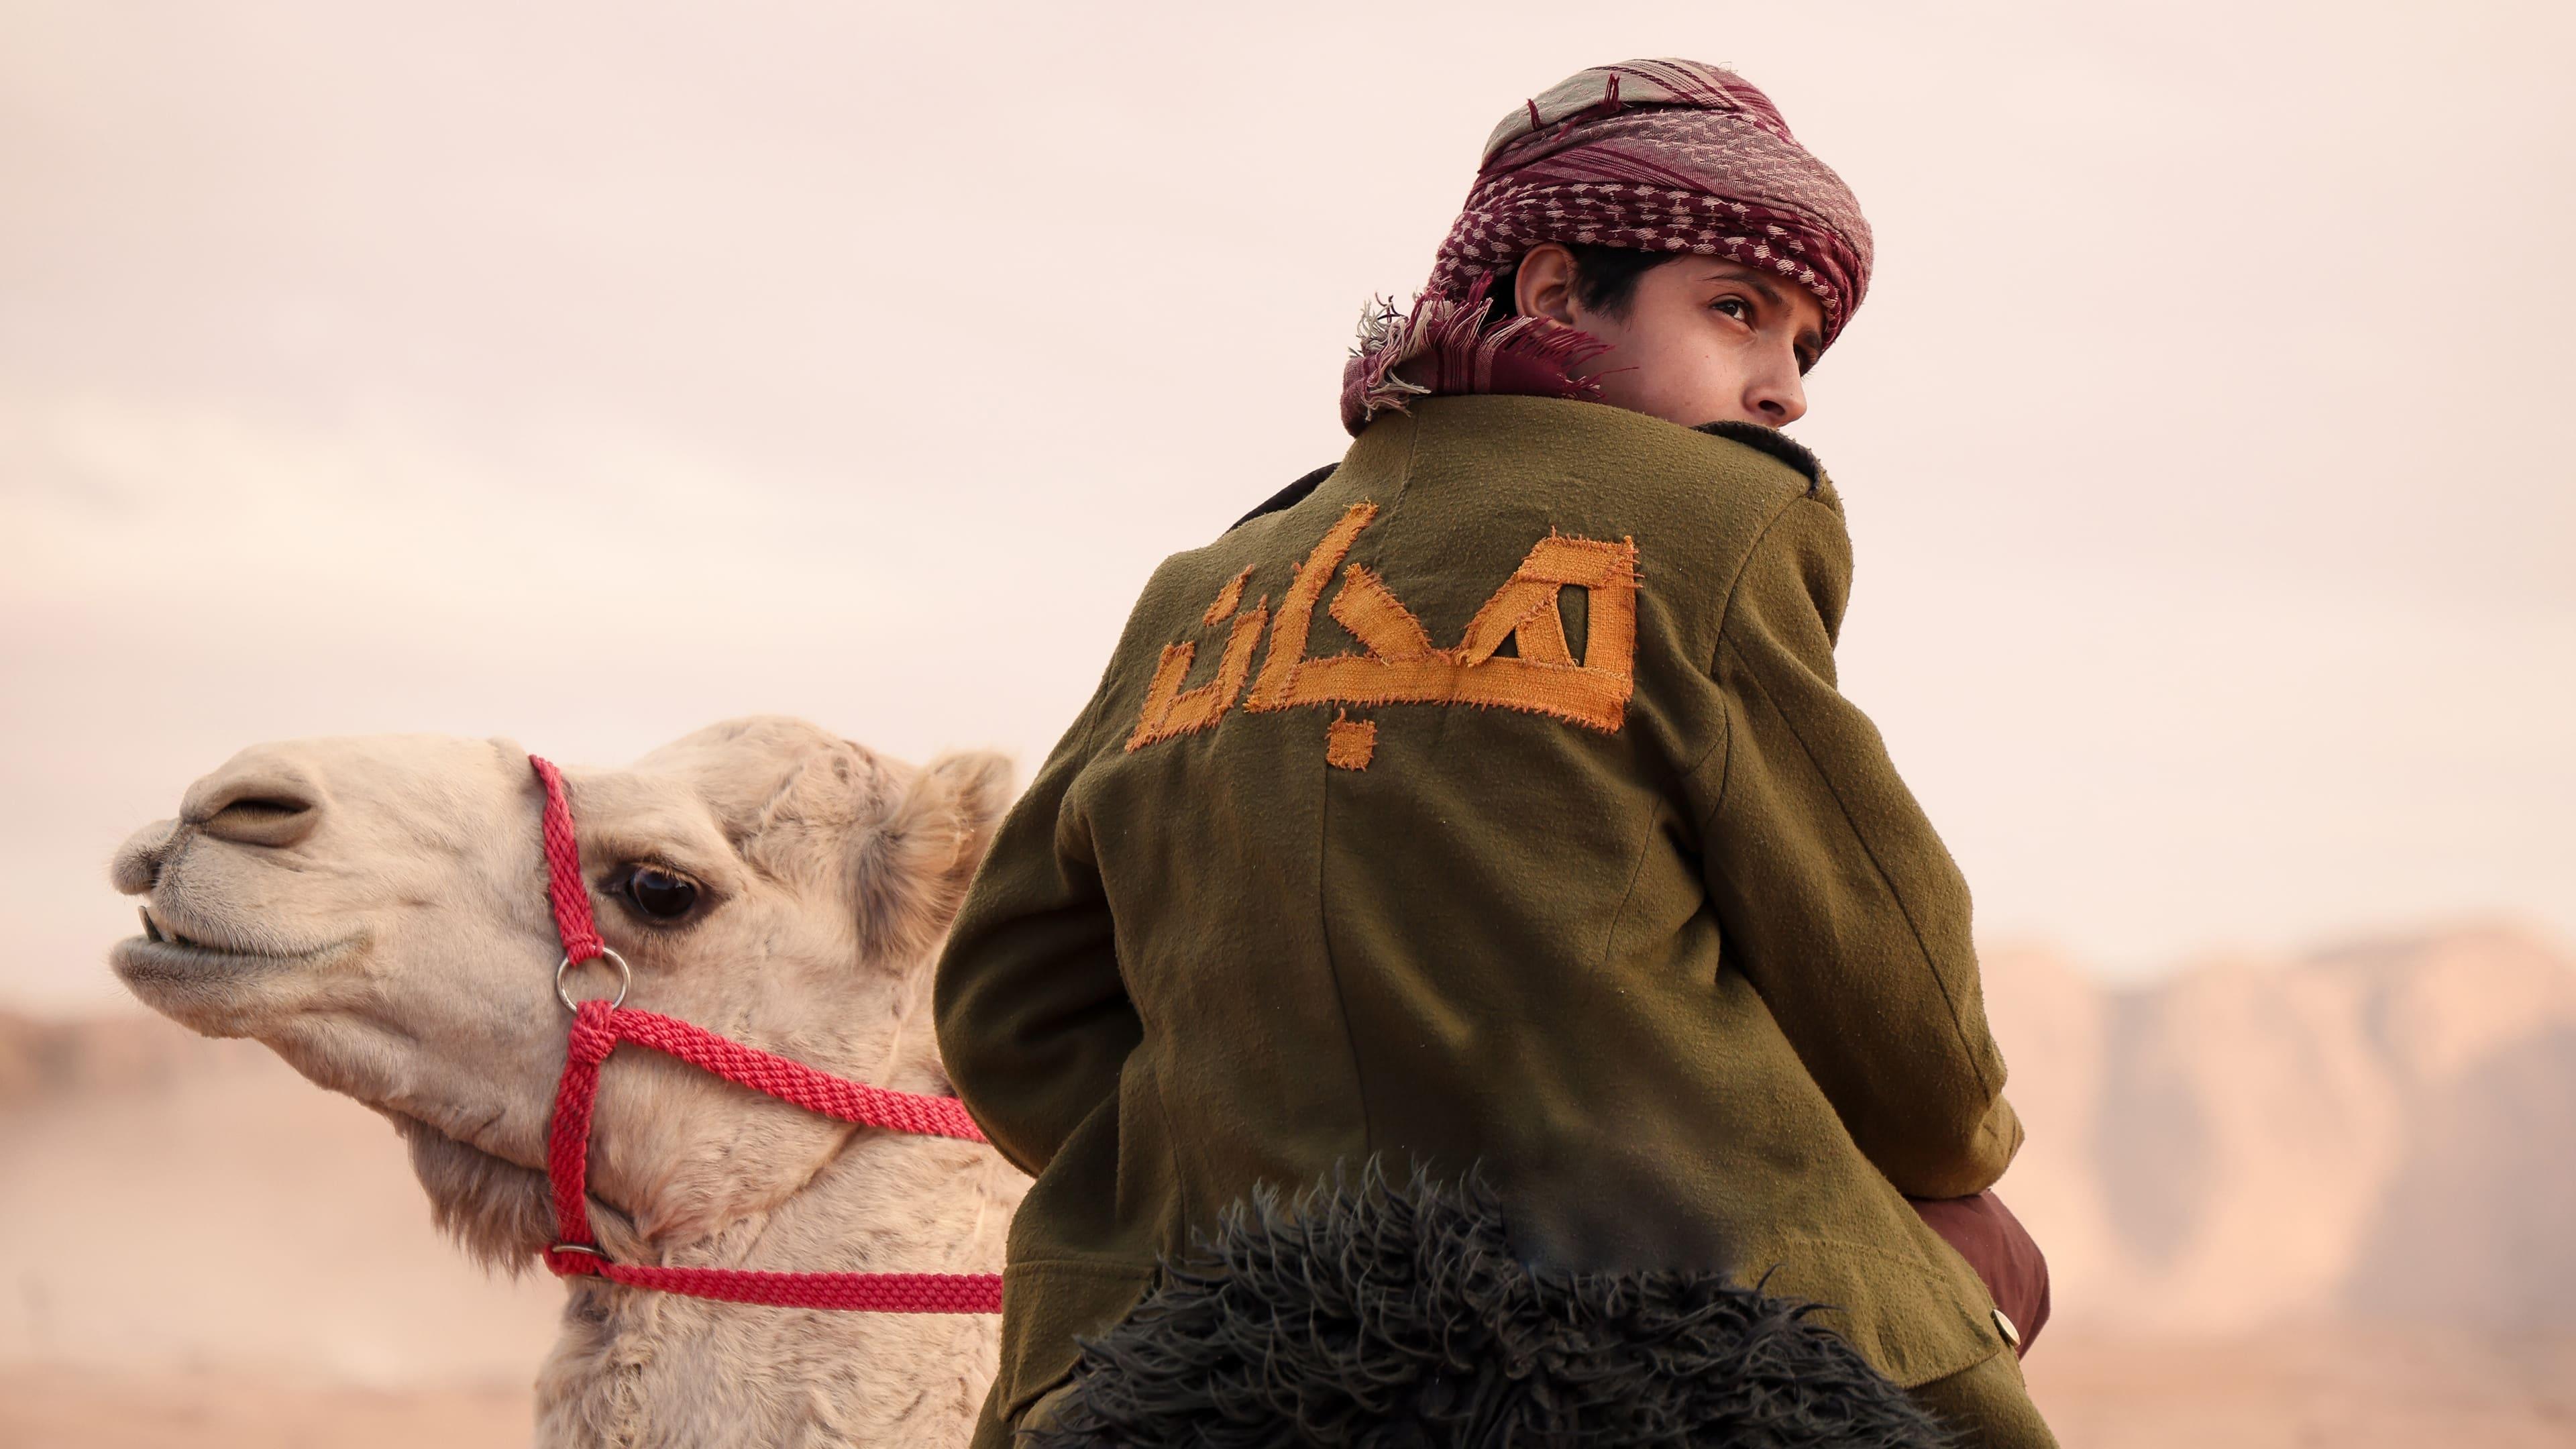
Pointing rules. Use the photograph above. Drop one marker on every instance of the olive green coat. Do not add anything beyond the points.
(1493, 803)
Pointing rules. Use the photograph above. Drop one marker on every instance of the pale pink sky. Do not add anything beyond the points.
(585, 372)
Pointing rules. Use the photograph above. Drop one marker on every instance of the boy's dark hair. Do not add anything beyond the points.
(1605, 279)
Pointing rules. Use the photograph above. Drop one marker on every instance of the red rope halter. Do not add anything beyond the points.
(598, 1027)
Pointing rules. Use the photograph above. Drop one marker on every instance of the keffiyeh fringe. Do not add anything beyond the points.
(1447, 345)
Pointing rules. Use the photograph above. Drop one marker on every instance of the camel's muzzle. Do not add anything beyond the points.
(200, 928)
(207, 947)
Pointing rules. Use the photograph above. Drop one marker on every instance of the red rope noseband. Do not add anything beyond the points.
(597, 1029)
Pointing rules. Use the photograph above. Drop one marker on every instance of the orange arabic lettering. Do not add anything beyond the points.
(1397, 663)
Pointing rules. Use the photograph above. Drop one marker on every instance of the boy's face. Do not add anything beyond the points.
(1701, 340)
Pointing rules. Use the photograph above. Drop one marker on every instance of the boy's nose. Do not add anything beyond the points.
(1778, 402)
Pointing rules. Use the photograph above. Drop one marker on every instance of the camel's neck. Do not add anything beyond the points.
(638, 1368)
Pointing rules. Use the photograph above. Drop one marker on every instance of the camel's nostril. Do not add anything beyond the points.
(262, 820)
(264, 808)
(267, 805)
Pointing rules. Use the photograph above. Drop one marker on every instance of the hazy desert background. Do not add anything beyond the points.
(584, 372)
(2311, 1200)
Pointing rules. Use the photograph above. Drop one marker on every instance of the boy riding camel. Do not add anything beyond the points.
(1482, 810)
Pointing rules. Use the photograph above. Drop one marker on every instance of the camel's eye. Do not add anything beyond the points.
(661, 895)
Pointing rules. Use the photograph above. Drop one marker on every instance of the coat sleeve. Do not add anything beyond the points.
(1033, 1017)
(1834, 896)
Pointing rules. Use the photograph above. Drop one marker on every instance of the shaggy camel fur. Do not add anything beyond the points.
(375, 911)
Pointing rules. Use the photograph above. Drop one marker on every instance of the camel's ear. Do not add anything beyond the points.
(912, 869)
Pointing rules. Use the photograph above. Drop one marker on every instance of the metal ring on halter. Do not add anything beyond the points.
(625, 979)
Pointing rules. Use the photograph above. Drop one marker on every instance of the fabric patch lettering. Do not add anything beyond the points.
(1169, 711)
(1397, 662)
(1398, 665)
(1349, 744)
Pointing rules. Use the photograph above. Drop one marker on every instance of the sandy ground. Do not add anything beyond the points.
(2342, 1386)
(2347, 1387)
(44, 1408)
(222, 1212)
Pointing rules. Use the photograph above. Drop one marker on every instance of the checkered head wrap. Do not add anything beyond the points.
(1659, 155)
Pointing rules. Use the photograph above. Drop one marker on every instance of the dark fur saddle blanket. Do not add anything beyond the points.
(1378, 1315)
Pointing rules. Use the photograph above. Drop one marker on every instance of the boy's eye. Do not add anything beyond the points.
(1735, 307)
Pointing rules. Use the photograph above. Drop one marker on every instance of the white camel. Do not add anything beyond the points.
(375, 911)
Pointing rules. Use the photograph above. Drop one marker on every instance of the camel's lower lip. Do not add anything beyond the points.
(139, 959)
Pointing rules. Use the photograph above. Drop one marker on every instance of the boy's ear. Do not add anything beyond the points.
(1544, 284)
(911, 870)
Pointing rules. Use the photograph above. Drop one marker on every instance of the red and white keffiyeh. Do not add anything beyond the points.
(1656, 155)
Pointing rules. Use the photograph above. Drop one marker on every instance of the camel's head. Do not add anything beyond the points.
(375, 911)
